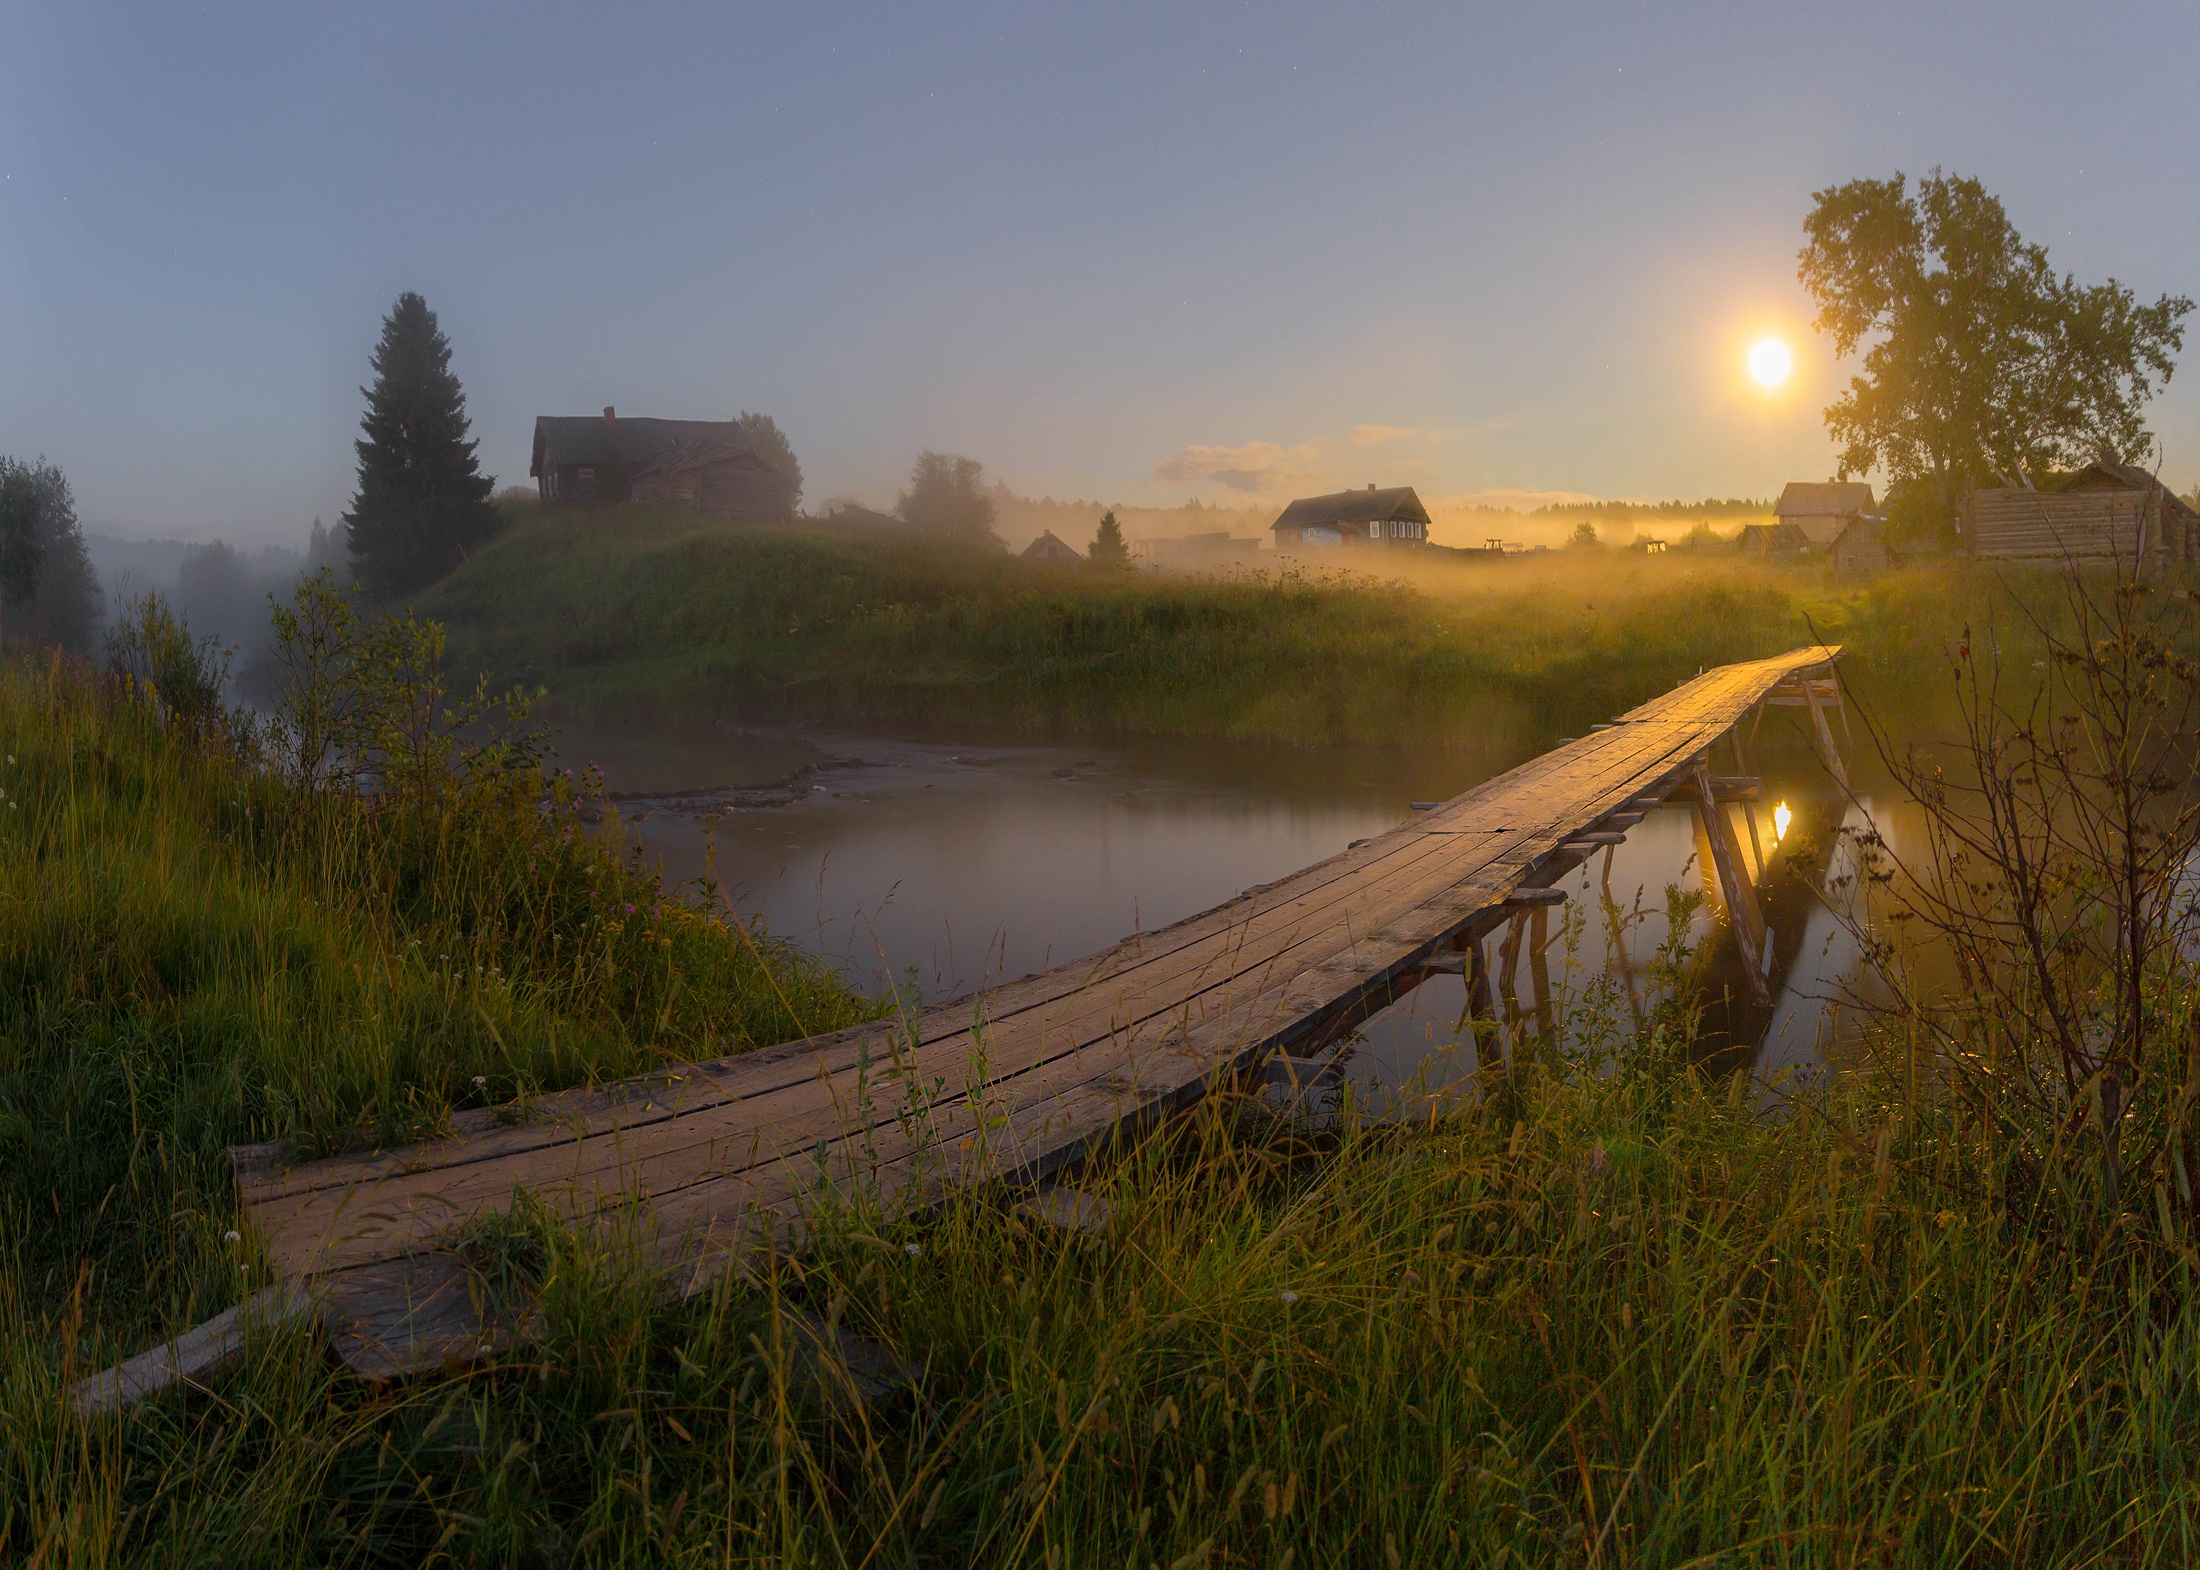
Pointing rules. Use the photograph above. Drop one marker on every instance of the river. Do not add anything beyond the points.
(950, 865)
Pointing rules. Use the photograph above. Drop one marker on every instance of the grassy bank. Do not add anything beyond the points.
(1612, 1320)
(639, 611)
(194, 953)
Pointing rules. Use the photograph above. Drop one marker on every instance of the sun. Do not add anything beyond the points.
(1769, 361)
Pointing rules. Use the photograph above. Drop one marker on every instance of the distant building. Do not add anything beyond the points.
(707, 465)
(1861, 549)
(1216, 551)
(1354, 518)
(1047, 547)
(2107, 513)
(1822, 511)
(1771, 539)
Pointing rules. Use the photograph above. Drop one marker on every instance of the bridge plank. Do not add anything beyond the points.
(739, 1146)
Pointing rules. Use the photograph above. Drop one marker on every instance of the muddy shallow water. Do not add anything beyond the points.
(956, 865)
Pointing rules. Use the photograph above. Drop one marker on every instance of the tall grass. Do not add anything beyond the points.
(1626, 1319)
(644, 611)
(195, 953)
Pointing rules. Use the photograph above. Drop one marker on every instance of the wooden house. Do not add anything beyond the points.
(1049, 547)
(1771, 539)
(706, 465)
(1861, 549)
(1383, 519)
(1822, 511)
(2107, 514)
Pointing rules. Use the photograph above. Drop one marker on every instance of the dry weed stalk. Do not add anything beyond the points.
(2053, 874)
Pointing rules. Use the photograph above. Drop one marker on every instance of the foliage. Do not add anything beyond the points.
(1982, 363)
(946, 497)
(772, 446)
(1108, 547)
(669, 615)
(151, 650)
(1584, 536)
(46, 575)
(422, 505)
(2055, 875)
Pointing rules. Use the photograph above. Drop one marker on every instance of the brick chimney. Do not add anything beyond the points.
(610, 416)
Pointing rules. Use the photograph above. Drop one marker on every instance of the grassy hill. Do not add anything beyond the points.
(639, 612)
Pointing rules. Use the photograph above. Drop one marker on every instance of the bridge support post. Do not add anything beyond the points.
(1734, 889)
(1823, 733)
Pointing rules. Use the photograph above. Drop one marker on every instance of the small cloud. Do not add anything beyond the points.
(1369, 435)
(1257, 468)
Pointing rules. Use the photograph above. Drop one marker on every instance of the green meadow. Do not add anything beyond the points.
(645, 613)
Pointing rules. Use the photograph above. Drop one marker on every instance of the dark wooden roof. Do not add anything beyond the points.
(591, 439)
(2106, 474)
(1370, 506)
(1808, 499)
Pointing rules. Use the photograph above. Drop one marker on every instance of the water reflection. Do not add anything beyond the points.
(962, 866)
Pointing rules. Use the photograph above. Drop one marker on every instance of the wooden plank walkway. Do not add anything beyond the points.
(1012, 1083)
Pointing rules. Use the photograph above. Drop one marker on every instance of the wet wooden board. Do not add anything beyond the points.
(1014, 1082)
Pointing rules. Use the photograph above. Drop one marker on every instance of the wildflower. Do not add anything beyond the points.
(481, 1082)
(630, 907)
(1289, 1298)
(232, 1236)
(911, 1250)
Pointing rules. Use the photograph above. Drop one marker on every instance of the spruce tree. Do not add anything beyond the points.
(423, 502)
(1108, 549)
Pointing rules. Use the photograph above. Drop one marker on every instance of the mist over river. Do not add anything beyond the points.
(955, 865)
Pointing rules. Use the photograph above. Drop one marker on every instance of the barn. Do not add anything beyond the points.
(706, 465)
(1822, 511)
(1388, 518)
(1771, 539)
(2107, 513)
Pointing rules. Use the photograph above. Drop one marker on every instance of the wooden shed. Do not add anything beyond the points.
(707, 465)
(2108, 514)
(1861, 549)
(1822, 510)
(1387, 518)
(1771, 539)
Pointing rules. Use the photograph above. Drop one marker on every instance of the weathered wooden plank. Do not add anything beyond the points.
(1028, 1075)
(191, 1356)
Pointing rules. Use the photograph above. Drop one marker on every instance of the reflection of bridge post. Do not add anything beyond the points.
(1743, 915)
(1539, 971)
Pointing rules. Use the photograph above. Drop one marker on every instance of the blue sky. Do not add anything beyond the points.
(1133, 252)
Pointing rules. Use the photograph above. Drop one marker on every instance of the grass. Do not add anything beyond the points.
(194, 954)
(647, 612)
(1608, 1312)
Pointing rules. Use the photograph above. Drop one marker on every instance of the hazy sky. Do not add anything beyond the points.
(1128, 251)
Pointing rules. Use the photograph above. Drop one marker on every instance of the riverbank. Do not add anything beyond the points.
(1601, 1309)
(642, 613)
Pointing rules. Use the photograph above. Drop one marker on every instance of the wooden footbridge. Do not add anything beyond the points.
(1018, 1081)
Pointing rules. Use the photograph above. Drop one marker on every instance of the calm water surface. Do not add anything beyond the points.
(962, 865)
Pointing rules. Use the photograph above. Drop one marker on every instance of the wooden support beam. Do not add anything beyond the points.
(1826, 748)
(191, 1356)
(1724, 787)
(1621, 820)
(1066, 1210)
(1535, 899)
(1593, 839)
(1741, 901)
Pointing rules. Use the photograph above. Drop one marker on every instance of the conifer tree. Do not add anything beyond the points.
(1108, 549)
(423, 502)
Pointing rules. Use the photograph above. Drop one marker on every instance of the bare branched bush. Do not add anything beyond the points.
(2038, 941)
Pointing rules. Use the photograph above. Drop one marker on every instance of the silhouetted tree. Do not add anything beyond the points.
(1984, 364)
(423, 502)
(772, 446)
(1108, 549)
(46, 578)
(1584, 536)
(946, 496)
(325, 552)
